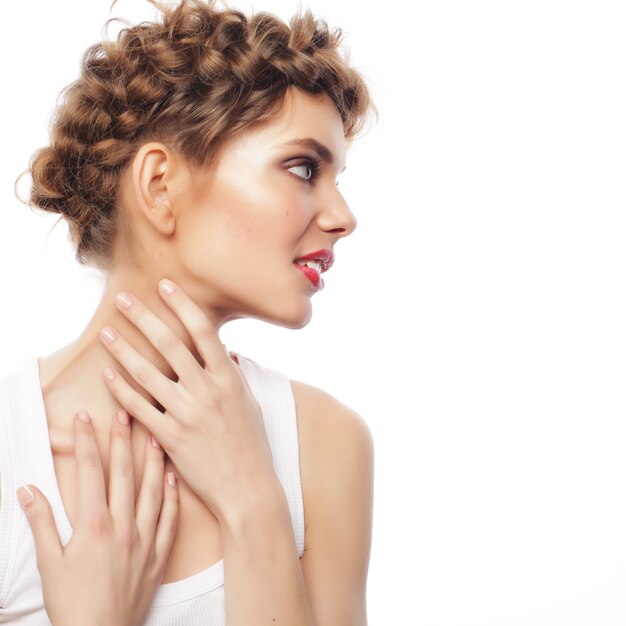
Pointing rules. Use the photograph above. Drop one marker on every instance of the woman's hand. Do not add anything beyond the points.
(110, 569)
(212, 428)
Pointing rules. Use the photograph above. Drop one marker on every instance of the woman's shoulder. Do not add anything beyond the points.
(318, 411)
(335, 441)
(333, 438)
(337, 477)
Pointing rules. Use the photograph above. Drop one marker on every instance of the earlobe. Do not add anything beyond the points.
(150, 180)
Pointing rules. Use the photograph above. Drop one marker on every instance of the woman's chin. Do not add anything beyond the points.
(295, 319)
(299, 324)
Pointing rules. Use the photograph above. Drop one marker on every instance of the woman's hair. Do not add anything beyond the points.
(192, 80)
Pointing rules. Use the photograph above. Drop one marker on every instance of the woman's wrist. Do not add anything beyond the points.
(267, 497)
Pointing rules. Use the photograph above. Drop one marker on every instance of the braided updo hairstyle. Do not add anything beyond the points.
(191, 80)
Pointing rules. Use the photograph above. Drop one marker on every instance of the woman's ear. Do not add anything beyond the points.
(151, 175)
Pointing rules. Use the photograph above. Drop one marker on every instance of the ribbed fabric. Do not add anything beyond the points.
(26, 457)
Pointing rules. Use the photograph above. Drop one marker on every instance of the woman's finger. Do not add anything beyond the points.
(168, 521)
(200, 328)
(164, 339)
(160, 387)
(151, 492)
(91, 492)
(138, 406)
(41, 521)
(121, 475)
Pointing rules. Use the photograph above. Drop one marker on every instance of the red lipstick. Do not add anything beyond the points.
(325, 258)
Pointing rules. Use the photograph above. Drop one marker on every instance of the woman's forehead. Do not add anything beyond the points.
(306, 120)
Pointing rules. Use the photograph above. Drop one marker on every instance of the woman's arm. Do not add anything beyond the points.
(337, 472)
(264, 581)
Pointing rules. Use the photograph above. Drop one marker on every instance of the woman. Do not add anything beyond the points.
(195, 161)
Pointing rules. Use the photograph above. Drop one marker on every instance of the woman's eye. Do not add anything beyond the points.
(307, 171)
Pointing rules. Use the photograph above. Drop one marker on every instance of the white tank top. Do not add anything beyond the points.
(26, 457)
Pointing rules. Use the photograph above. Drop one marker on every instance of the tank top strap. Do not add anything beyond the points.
(8, 483)
(25, 458)
(273, 391)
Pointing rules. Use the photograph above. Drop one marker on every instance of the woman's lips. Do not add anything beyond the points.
(312, 275)
(324, 258)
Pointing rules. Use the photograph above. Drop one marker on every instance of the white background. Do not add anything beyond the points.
(476, 318)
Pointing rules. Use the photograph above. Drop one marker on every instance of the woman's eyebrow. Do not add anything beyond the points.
(322, 151)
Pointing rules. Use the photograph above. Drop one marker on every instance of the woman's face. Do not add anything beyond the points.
(270, 198)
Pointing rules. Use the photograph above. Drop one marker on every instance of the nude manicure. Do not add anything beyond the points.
(25, 495)
(124, 300)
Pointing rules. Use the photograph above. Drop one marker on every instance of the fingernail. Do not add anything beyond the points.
(84, 417)
(124, 300)
(122, 417)
(109, 374)
(171, 479)
(167, 286)
(108, 334)
(154, 442)
(26, 496)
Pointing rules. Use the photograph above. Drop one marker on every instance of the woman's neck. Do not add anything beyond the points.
(71, 378)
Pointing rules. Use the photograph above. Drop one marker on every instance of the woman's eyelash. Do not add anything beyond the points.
(311, 162)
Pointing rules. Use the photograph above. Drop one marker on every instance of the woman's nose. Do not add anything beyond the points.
(336, 216)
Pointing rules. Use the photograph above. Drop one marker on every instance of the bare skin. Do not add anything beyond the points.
(229, 235)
